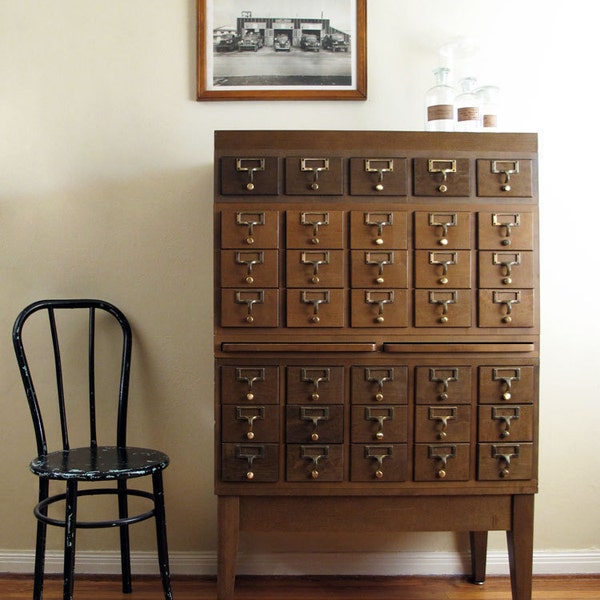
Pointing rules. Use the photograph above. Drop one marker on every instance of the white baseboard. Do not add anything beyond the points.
(355, 563)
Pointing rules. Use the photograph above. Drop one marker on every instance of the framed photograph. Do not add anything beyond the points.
(282, 49)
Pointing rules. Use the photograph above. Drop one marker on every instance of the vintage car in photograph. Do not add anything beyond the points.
(282, 42)
(336, 42)
(310, 41)
(251, 41)
(228, 43)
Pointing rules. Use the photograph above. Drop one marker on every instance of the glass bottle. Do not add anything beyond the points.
(439, 102)
(488, 102)
(467, 106)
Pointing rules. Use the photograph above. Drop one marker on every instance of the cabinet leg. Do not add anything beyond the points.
(479, 540)
(520, 547)
(228, 519)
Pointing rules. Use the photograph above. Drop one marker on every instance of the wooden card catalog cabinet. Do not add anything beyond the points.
(376, 337)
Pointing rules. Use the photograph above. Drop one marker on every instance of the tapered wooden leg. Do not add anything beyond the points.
(479, 541)
(229, 535)
(520, 547)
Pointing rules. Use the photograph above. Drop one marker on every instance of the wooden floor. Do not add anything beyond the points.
(311, 588)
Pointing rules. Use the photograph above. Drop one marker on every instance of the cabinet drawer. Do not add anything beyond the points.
(379, 308)
(379, 462)
(316, 462)
(258, 385)
(249, 308)
(444, 230)
(505, 461)
(378, 176)
(441, 177)
(378, 229)
(314, 176)
(318, 385)
(315, 308)
(512, 269)
(446, 423)
(375, 384)
(505, 231)
(442, 269)
(506, 308)
(384, 268)
(442, 462)
(443, 385)
(318, 268)
(443, 308)
(255, 423)
(372, 424)
(315, 229)
(249, 176)
(507, 384)
(249, 229)
(316, 423)
(504, 178)
(506, 422)
(251, 268)
(250, 462)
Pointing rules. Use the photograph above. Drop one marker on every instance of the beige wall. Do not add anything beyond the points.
(106, 190)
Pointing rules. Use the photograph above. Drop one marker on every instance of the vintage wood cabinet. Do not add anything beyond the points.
(376, 336)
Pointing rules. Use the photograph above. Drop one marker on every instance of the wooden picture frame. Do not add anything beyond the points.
(334, 67)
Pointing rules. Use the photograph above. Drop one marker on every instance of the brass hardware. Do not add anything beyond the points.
(250, 220)
(254, 297)
(315, 262)
(246, 375)
(371, 377)
(499, 414)
(322, 219)
(437, 258)
(380, 259)
(444, 167)
(442, 419)
(388, 219)
(250, 454)
(510, 298)
(380, 415)
(506, 380)
(445, 381)
(508, 222)
(441, 454)
(443, 303)
(315, 415)
(507, 172)
(503, 259)
(371, 298)
(379, 453)
(380, 171)
(318, 298)
(435, 220)
(242, 415)
(316, 377)
(316, 171)
(504, 455)
(249, 259)
(314, 454)
(239, 162)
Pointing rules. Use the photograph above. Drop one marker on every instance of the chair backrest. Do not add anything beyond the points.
(52, 308)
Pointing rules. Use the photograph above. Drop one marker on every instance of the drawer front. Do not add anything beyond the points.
(507, 384)
(323, 424)
(505, 422)
(315, 308)
(372, 424)
(252, 385)
(251, 268)
(250, 423)
(250, 462)
(315, 229)
(317, 385)
(504, 178)
(316, 268)
(505, 231)
(382, 268)
(442, 177)
(446, 423)
(442, 462)
(375, 384)
(378, 229)
(378, 462)
(249, 229)
(443, 308)
(442, 269)
(379, 308)
(506, 269)
(501, 462)
(443, 230)
(378, 176)
(443, 385)
(506, 308)
(315, 463)
(249, 175)
(314, 176)
(249, 307)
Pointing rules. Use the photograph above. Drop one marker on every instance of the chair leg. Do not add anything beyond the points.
(161, 534)
(40, 546)
(70, 535)
(124, 533)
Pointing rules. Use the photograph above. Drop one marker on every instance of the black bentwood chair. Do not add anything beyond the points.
(90, 463)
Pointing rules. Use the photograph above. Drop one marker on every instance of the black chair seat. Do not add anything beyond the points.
(99, 464)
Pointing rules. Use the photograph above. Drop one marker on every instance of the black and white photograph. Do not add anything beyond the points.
(286, 49)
